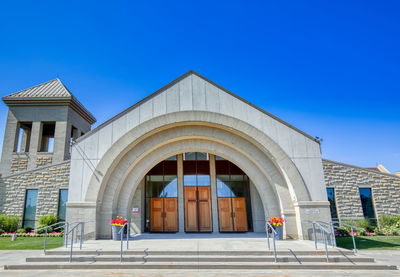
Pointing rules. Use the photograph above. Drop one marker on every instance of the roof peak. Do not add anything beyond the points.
(49, 93)
(49, 89)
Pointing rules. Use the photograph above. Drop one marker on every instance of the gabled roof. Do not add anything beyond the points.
(175, 82)
(51, 93)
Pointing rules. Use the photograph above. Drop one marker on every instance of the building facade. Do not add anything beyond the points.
(191, 157)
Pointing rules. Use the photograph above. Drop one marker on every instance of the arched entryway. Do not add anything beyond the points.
(116, 195)
(197, 192)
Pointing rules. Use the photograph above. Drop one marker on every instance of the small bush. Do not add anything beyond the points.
(390, 224)
(363, 223)
(390, 221)
(9, 223)
(21, 230)
(49, 229)
(1, 231)
(47, 220)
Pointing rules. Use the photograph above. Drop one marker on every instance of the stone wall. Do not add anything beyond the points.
(19, 164)
(44, 160)
(48, 180)
(346, 179)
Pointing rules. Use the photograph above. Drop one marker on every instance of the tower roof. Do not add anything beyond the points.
(51, 93)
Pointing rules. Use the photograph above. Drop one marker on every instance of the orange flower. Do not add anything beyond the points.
(276, 221)
(119, 221)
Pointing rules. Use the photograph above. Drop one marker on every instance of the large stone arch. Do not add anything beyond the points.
(115, 170)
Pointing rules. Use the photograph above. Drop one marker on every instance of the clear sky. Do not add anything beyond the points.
(330, 68)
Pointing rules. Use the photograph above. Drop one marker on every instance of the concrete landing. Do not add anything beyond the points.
(199, 242)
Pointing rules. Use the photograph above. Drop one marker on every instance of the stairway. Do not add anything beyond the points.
(209, 260)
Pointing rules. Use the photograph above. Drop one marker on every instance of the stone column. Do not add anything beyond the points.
(34, 146)
(181, 203)
(61, 141)
(214, 203)
(8, 143)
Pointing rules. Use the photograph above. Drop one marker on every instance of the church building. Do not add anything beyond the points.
(190, 157)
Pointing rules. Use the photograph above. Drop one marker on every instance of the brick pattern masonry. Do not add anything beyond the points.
(43, 160)
(19, 164)
(346, 180)
(48, 180)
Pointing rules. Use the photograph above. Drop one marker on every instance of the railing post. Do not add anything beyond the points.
(274, 246)
(354, 240)
(127, 236)
(333, 235)
(315, 236)
(326, 246)
(66, 235)
(120, 253)
(72, 245)
(45, 241)
(269, 246)
(82, 234)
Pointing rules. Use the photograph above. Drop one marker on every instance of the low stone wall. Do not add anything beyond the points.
(347, 179)
(48, 180)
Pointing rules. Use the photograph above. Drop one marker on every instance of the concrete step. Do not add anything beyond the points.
(208, 258)
(199, 265)
(332, 252)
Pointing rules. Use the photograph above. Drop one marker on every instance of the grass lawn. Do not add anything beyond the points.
(28, 243)
(371, 243)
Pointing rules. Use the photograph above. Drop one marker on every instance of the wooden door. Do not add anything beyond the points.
(170, 215)
(156, 215)
(239, 214)
(225, 214)
(204, 214)
(191, 220)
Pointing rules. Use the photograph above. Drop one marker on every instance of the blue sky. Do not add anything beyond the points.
(330, 68)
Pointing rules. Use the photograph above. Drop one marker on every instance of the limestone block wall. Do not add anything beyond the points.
(48, 180)
(347, 179)
(44, 160)
(19, 164)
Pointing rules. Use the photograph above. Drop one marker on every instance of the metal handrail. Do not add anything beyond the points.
(275, 234)
(332, 226)
(45, 228)
(72, 237)
(324, 232)
(352, 228)
(127, 225)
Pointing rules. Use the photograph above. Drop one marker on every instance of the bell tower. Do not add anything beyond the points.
(42, 122)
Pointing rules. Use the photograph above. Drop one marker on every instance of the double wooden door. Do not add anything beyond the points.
(232, 214)
(197, 209)
(163, 215)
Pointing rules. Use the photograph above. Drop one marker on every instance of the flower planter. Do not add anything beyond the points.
(115, 232)
(279, 231)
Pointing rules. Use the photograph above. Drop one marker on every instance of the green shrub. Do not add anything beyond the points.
(1, 231)
(390, 224)
(49, 229)
(389, 221)
(47, 220)
(9, 223)
(21, 230)
(363, 223)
